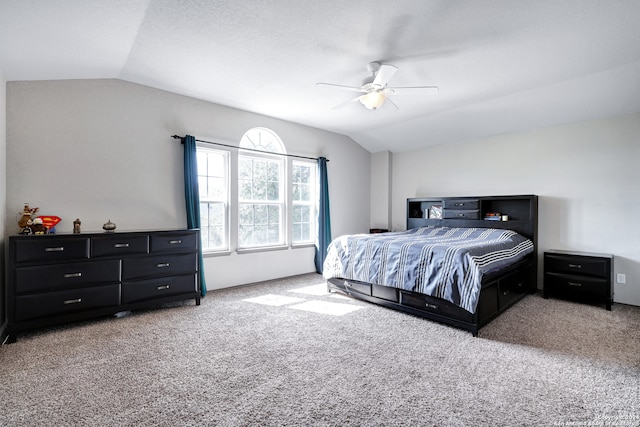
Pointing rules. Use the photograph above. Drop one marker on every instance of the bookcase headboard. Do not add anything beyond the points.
(517, 213)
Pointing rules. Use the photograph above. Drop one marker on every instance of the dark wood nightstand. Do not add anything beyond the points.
(579, 275)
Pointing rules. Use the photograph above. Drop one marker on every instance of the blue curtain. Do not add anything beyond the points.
(324, 220)
(192, 197)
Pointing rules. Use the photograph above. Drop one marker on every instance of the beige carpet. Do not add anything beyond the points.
(284, 352)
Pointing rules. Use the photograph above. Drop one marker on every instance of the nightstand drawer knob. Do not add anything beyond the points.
(575, 266)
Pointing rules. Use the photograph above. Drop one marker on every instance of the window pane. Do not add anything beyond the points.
(245, 168)
(244, 190)
(305, 174)
(260, 170)
(259, 190)
(245, 214)
(213, 229)
(259, 225)
(273, 191)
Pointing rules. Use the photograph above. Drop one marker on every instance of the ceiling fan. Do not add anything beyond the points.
(375, 90)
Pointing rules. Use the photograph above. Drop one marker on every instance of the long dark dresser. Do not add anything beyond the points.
(59, 278)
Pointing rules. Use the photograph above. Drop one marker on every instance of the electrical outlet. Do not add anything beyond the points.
(621, 278)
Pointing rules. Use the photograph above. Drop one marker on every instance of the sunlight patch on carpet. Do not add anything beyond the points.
(275, 300)
(324, 307)
(316, 290)
(340, 296)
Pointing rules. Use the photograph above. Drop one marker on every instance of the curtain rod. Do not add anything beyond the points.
(181, 138)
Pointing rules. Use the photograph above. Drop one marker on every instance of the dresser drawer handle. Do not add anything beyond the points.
(121, 245)
(431, 306)
(163, 287)
(575, 284)
(57, 249)
(73, 301)
(175, 242)
(575, 266)
(70, 275)
(460, 214)
(162, 265)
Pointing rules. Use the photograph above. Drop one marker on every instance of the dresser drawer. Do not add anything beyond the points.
(115, 245)
(463, 214)
(47, 249)
(564, 283)
(174, 242)
(157, 288)
(461, 204)
(511, 289)
(50, 277)
(62, 302)
(162, 265)
(559, 263)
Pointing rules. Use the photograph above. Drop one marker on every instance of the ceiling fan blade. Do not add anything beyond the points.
(344, 104)
(391, 103)
(351, 88)
(411, 89)
(384, 74)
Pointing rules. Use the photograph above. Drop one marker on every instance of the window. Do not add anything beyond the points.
(261, 201)
(213, 184)
(276, 195)
(303, 181)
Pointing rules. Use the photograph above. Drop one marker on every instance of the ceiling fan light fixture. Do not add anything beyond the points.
(373, 100)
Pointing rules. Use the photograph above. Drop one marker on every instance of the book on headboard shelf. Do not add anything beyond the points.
(493, 216)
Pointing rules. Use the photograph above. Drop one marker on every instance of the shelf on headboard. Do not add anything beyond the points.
(469, 211)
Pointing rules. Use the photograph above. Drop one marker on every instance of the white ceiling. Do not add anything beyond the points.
(501, 65)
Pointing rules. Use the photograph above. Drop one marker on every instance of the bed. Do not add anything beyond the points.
(462, 260)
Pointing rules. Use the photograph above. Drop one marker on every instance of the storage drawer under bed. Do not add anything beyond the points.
(434, 305)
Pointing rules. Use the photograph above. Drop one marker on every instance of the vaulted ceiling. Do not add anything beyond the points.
(501, 65)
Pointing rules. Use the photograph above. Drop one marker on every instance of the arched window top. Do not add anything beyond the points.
(262, 139)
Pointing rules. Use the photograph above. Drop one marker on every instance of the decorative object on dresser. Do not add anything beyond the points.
(53, 279)
(579, 275)
(455, 218)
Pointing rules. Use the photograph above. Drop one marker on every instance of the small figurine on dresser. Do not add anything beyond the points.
(108, 226)
(38, 226)
(25, 222)
(76, 226)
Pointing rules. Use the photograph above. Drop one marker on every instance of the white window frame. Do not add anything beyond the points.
(270, 148)
(224, 200)
(281, 201)
(311, 203)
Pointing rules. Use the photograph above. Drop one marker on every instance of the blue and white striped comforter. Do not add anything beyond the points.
(443, 262)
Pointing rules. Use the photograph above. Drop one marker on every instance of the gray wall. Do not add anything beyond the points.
(586, 175)
(101, 149)
(381, 190)
(3, 187)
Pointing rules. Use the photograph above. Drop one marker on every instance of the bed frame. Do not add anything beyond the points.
(500, 290)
